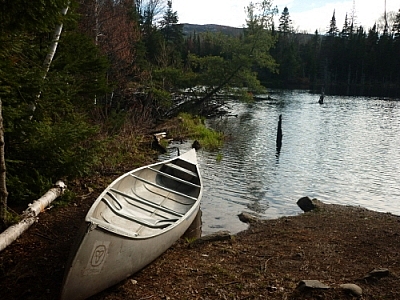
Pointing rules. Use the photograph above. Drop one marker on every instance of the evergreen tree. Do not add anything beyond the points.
(285, 23)
(333, 30)
(346, 31)
(171, 30)
(396, 27)
(173, 35)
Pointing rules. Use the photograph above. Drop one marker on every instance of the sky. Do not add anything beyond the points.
(306, 15)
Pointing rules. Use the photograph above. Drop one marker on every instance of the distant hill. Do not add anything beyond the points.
(190, 28)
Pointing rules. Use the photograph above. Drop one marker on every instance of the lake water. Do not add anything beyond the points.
(345, 151)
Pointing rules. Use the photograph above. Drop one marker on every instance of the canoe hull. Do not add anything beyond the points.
(135, 219)
(112, 258)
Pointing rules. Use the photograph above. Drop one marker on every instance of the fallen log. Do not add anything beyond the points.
(30, 215)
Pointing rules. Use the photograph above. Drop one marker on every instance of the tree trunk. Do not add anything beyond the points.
(3, 186)
(51, 53)
(53, 46)
(30, 215)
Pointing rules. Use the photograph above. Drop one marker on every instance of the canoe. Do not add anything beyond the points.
(133, 221)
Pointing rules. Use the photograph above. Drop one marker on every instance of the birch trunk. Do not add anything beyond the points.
(53, 46)
(30, 215)
(50, 54)
(3, 186)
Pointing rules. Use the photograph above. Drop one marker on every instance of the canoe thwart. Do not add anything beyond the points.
(174, 177)
(158, 224)
(163, 187)
(148, 203)
(182, 169)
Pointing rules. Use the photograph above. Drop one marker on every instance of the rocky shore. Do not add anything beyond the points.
(329, 252)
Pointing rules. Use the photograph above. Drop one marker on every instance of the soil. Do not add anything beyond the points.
(333, 244)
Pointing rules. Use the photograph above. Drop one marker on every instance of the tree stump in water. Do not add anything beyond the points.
(279, 135)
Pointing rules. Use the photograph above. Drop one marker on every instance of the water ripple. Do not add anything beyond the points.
(346, 151)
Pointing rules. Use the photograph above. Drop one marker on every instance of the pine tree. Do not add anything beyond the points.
(396, 27)
(345, 33)
(173, 35)
(333, 30)
(285, 23)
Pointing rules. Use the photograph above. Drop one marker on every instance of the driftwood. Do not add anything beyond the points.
(30, 215)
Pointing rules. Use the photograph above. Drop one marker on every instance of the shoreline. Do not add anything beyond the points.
(333, 244)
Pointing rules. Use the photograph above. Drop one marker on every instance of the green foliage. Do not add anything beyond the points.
(161, 98)
(65, 198)
(51, 150)
(190, 240)
(219, 157)
(34, 16)
(79, 70)
(49, 134)
(10, 219)
(209, 139)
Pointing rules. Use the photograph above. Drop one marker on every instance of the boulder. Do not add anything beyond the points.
(306, 204)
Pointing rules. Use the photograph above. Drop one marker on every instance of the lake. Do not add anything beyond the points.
(345, 151)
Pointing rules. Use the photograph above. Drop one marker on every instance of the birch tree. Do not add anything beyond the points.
(51, 52)
(3, 186)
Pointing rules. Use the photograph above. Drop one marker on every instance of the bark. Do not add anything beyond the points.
(50, 54)
(53, 46)
(30, 215)
(3, 186)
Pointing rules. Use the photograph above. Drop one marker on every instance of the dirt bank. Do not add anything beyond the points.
(334, 244)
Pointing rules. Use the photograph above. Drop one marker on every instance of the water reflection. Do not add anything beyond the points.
(346, 151)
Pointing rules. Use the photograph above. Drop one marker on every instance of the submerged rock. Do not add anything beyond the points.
(247, 218)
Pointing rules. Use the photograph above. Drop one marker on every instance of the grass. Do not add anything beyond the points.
(208, 138)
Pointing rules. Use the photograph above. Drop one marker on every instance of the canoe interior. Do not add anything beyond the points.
(150, 199)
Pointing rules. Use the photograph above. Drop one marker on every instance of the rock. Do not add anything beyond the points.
(311, 284)
(247, 218)
(306, 204)
(217, 236)
(196, 145)
(352, 289)
(377, 273)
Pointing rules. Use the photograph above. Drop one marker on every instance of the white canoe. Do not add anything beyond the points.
(134, 220)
